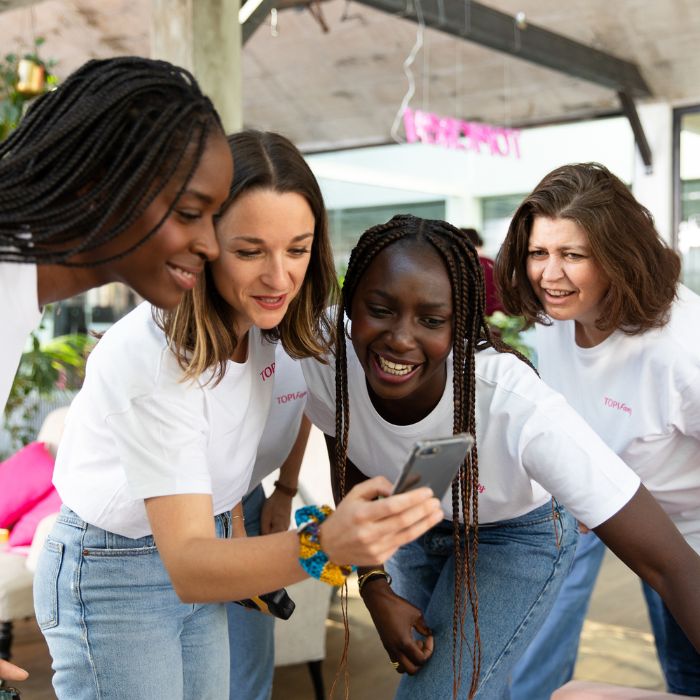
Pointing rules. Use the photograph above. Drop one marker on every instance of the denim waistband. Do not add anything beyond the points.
(66, 516)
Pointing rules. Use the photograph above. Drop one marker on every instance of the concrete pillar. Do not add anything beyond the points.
(204, 36)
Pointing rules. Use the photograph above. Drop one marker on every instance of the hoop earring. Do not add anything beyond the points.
(347, 332)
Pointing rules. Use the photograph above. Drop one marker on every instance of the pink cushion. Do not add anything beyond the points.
(24, 529)
(25, 478)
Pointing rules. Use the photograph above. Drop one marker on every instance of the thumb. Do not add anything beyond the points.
(422, 628)
(370, 489)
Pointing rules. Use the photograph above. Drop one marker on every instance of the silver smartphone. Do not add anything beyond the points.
(434, 463)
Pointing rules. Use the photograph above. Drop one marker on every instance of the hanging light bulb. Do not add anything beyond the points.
(31, 77)
(521, 20)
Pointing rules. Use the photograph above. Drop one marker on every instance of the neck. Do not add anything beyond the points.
(56, 282)
(588, 336)
(409, 409)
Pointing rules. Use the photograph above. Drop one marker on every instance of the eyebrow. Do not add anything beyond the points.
(430, 306)
(199, 195)
(262, 241)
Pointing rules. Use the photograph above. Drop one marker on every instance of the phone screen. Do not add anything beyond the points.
(434, 463)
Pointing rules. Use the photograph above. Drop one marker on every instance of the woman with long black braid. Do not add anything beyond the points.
(413, 297)
(114, 176)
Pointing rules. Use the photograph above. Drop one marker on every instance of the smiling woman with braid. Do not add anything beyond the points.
(115, 176)
(460, 605)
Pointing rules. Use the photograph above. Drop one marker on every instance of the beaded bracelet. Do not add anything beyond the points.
(311, 557)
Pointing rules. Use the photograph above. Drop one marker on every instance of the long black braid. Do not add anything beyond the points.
(89, 157)
(470, 334)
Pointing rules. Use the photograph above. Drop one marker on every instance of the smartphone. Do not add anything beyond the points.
(434, 463)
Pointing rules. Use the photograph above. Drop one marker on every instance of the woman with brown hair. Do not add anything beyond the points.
(619, 337)
(159, 449)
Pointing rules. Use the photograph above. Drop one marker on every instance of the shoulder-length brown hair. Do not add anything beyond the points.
(200, 330)
(643, 271)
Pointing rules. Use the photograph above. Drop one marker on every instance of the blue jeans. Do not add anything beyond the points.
(519, 571)
(679, 660)
(548, 663)
(114, 624)
(251, 633)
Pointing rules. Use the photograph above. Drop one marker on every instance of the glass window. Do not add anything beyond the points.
(347, 225)
(496, 213)
(687, 153)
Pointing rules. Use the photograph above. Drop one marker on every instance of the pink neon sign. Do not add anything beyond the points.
(456, 133)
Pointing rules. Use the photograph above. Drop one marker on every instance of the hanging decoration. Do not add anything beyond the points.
(458, 134)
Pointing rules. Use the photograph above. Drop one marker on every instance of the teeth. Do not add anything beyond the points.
(394, 367)
(558, 292)
(185, 273)
(269, 300)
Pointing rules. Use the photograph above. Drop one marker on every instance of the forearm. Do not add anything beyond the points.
(211, 570)
(644, 538)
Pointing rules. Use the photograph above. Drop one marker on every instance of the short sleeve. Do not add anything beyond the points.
(161, 441)
(565, 456)
(688, 415)
(320, 401)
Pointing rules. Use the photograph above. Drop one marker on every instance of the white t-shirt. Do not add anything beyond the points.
(530, 441)
(641, 394)
(19, 315)
(284, 418)
(136, 430)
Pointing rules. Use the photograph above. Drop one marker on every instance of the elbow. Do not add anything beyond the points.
(185, 591)
(183, 583)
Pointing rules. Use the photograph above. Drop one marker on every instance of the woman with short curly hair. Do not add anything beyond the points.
(618, 335)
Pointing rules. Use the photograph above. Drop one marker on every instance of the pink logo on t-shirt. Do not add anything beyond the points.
(268, 372)
(294, 396)
(619, 405)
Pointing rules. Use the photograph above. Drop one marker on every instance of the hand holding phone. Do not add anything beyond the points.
(434, 463)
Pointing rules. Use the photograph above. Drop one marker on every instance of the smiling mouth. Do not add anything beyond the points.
(185, 278)
(395, 369)
(271, 302)
(558, 293)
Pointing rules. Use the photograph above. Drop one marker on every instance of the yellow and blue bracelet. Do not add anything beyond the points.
(311, 557)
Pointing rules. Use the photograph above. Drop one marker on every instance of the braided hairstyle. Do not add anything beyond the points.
(470, 334)
(90, 156)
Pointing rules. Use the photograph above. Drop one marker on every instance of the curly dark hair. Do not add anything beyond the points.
(89, 157)
(470, 334)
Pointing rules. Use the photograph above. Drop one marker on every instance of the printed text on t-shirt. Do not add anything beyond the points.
(293, 396)
(268, 372)
(619, 405)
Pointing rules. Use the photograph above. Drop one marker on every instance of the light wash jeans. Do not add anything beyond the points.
(251, 633)
(519, 571)
(549, 661)
(114, 624)
(677, 656)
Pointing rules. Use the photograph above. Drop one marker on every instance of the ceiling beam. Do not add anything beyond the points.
(497, 30)
(256, 18)
(630, 110)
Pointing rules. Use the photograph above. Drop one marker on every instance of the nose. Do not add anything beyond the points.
(401, 338)
(275, 273)
(205, 244)
(552, 269)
